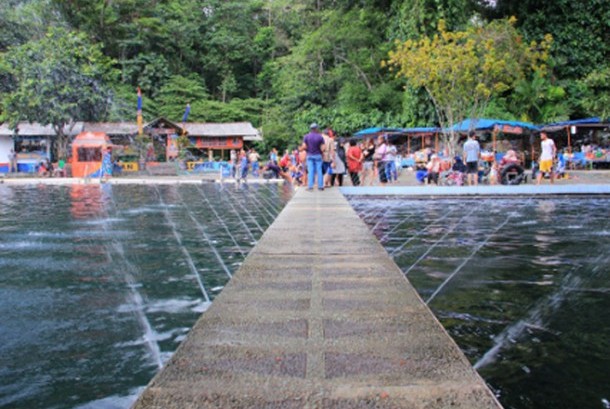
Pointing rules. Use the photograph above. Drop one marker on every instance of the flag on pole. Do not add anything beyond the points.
(139, 117)
(187, 111)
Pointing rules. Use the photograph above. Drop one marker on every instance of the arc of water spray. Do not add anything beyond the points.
(381, 217)
(271, 204)
(183, 249)
(222, 222)
(248, 198)
(206, 238)
(440, 240)
(402, 246)
(135, 295)
(261, 205)
(514, 331)
(246, 211)
(475, 251)
(393, 229)
(241, 219)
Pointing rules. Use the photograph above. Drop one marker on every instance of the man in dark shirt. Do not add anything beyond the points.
(313, 144)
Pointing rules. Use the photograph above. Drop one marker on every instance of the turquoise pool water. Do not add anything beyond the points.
(99, 284)
(522, 285)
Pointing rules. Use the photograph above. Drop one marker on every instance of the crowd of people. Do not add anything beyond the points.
(324, 160)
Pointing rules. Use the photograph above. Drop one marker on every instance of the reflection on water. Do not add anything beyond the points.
(99, 284)
(522, 285)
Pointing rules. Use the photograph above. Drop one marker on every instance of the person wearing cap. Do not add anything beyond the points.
(472, 152)
(313, 144)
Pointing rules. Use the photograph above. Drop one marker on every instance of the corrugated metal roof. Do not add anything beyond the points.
(244, 129)
(112, 128)
(35, 129)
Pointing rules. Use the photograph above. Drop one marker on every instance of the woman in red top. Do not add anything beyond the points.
(354, 162)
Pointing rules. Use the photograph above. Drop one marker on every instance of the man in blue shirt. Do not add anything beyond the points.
(313, 144)
(472, 152)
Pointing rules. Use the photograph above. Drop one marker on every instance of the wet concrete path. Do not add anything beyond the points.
(318, 316)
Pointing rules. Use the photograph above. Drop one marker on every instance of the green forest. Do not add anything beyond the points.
(282, 64)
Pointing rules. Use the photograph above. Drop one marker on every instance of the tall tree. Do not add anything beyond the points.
(58, 79)
(462, 70)
(581, 30)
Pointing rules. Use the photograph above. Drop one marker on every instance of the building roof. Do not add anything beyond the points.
(194, 129)
(244, 129)
(35, 129)
(111, 128)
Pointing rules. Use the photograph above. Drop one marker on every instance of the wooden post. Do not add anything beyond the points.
(494, 135)
(408, 144)
(569, 140)
(436, 142)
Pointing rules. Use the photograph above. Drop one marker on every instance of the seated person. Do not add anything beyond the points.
(510, 158)
(60, 169)
(277, 171)
(42, 169)
(434, 169)
(560, 169)
(458, 165)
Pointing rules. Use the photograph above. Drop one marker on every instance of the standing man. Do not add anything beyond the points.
(548, 152)
(12, 157)
(253, 158)
(328, 156)
(472, 152)
(313, 144)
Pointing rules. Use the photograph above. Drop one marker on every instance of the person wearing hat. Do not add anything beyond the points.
(313, 144)
(472, 152)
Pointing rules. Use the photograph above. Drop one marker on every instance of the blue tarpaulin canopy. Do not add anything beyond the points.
(377, 131)
(585, 121)
(483, 124)
(421, 130)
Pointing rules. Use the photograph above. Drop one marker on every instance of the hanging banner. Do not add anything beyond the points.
(230, 142)
(515, 130)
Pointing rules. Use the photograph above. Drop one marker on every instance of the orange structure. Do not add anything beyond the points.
(87, 153)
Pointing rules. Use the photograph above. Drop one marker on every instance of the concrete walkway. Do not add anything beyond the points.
(318, 316)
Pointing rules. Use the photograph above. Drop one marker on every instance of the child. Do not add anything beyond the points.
(493, 173)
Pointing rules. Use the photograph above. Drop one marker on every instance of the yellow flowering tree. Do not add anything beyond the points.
(463, 70)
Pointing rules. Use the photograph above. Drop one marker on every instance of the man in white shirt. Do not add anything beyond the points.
(548, 152)
(472, 152)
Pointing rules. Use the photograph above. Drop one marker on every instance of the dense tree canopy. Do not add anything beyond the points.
(284, 63)
(56, 80)
(463, 70)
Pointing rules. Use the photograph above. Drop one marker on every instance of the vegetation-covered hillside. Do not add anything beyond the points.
(282, 63)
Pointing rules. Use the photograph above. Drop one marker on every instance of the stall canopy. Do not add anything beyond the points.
(421, 132)
(484, 124)
(377, 131)
(586, 122)
(571, 127)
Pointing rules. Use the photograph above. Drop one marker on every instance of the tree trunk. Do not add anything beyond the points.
(61, 142)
